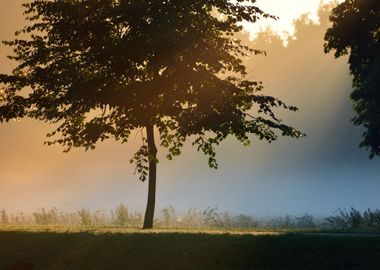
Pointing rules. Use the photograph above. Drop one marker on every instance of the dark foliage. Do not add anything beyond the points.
(355, 31)
(100, 69)
(354, 219)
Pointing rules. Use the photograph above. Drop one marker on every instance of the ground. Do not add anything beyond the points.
(76, 248)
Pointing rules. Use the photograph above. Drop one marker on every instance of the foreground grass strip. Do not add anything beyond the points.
(175, 249)
(99, 230)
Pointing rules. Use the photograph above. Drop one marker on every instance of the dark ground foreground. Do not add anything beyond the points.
(185, 250)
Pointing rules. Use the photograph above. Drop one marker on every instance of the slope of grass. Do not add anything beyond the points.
(36, 249)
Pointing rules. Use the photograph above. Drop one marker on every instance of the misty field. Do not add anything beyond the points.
(33, 248)
(197, 239)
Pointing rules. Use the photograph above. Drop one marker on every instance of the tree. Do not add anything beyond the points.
(355, 31)
(101, 69)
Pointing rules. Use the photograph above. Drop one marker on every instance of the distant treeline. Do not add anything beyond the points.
(210, 217)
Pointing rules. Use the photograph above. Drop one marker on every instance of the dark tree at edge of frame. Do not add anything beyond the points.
(355, 31)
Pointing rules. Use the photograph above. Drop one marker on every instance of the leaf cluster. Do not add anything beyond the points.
(100, 69)
(355, 31)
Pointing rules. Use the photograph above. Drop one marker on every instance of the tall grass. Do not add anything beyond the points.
(210, 217)
(354, 219)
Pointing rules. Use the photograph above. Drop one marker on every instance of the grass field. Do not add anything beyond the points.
(34, 248)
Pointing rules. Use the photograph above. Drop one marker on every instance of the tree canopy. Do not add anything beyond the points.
(100, 69)
(355, 31)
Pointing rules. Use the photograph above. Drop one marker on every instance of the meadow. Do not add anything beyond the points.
(53, 248)
(198, 239)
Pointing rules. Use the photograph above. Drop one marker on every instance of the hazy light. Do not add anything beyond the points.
(287, 12)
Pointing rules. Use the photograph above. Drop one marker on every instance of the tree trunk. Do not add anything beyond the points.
(149, 212)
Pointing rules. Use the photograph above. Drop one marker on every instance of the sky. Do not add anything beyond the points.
(287, 11)
(317, 174)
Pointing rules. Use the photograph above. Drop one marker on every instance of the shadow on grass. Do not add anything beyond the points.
(53, 250)
(21, 266)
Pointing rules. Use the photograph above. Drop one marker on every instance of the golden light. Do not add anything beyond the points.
(287, 12)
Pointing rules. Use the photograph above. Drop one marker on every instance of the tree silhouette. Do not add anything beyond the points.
(101, 69)
(355, 31)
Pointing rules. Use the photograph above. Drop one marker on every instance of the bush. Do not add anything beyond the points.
(85, 218)
(169, 217)
(120, 216)
(372, 218)
(305, 221)
(46, 217)
(192, 218)
(4, 217)
(212, 218)
(353, 219)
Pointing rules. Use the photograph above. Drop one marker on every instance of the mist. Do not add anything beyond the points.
(317, 174)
